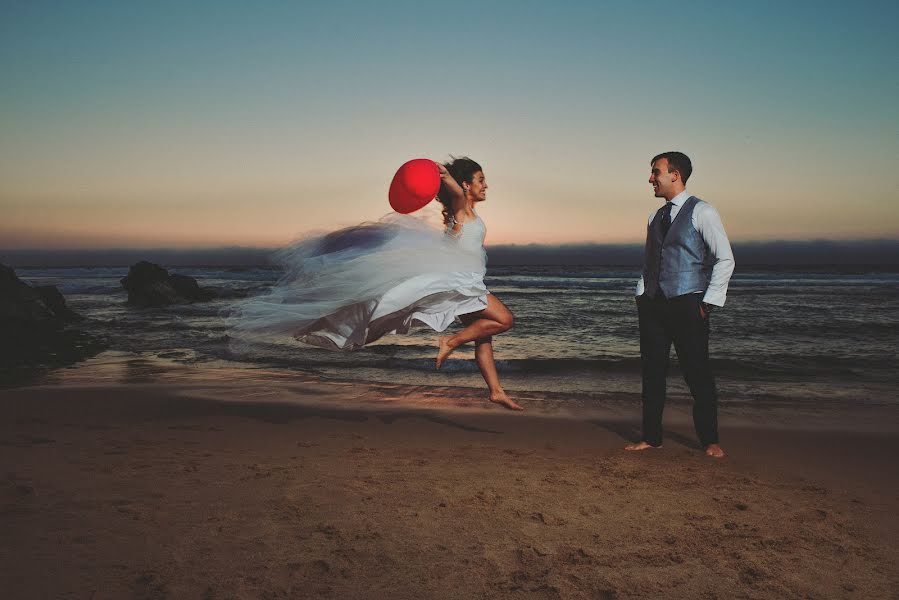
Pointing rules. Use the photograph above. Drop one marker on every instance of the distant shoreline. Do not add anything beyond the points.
(867, 255)
(812, 269)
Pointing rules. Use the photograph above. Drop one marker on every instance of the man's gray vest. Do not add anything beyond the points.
(676, 263)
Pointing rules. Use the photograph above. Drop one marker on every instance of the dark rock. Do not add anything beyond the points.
(56, 303)
(151, 285)
(20, 302)
(189, 288)
(7, 274)
(34, 329)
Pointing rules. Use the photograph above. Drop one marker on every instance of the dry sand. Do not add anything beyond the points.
(163, 482)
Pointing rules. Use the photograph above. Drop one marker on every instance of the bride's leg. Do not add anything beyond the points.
(483, 354)
(496, 318)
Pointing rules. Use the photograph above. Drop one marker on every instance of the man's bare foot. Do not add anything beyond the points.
(640, 446)
(714, 450)
(503, 400)
(443, 349)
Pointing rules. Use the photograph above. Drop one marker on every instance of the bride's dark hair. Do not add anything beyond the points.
(462, 169)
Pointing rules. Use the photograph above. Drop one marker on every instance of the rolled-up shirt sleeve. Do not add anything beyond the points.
(640, 285)
(708, 223)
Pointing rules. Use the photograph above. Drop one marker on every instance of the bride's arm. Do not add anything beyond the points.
(456, 193)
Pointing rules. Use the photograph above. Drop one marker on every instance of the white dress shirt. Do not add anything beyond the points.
(707, 222)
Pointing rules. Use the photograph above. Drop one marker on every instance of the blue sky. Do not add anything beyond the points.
(215, 123)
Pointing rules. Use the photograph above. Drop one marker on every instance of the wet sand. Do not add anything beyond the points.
(152, 481)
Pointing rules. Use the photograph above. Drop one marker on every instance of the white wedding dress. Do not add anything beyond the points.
(348, 288)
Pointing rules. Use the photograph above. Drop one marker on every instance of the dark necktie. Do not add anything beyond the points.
(666, 219)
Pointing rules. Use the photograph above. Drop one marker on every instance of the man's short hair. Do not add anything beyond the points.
(677, 161)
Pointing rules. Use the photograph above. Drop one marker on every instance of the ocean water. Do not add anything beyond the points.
(784, 336)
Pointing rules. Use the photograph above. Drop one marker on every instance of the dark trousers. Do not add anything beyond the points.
(663, 321)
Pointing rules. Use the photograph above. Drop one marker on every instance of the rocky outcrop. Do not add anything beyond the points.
(149, 284)
(35, 327)
(40, 305)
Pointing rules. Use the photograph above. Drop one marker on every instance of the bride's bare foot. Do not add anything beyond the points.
(640, 446)
(503, 400)
(443, 350)
(714, 450)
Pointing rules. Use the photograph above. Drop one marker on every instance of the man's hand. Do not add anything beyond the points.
(705, 309)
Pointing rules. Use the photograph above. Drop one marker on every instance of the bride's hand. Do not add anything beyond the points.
(450, 184)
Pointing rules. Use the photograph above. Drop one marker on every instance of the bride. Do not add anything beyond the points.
(349, 288)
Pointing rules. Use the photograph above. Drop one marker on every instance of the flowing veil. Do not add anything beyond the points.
(349, 287)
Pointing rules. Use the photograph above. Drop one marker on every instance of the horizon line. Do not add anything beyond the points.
(822, 252)
(816, 240)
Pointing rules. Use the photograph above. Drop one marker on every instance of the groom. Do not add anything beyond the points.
(687, 265)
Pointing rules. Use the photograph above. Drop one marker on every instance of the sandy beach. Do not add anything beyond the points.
(141, 479)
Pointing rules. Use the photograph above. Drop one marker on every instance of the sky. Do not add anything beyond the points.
(208, 124)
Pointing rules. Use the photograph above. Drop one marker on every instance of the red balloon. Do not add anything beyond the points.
(414, 185)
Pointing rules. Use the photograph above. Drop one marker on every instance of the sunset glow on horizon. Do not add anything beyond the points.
(227, 124)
